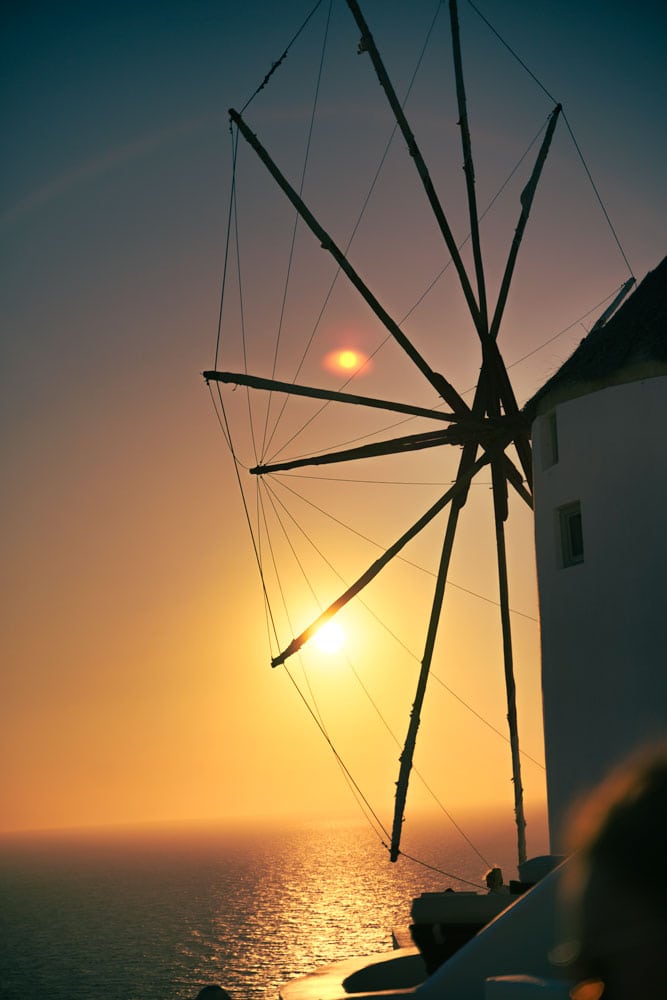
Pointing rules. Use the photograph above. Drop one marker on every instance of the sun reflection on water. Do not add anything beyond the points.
(162, 915)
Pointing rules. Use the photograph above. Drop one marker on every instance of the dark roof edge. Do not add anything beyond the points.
(632, 345)
(542, 403)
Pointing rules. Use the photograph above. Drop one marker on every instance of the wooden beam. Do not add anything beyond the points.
(367, 44)
(293, 389)
(459, 487)
(498, 480)
(393, 446)
(468, 165)
(526, 199)
(438, 381)
(407, 756)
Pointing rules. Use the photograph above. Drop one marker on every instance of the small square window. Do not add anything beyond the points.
(571, 534)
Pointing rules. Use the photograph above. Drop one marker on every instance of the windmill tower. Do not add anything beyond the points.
(600, 489)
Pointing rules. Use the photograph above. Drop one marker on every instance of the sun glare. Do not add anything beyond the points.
(347, 359)
(330, 638)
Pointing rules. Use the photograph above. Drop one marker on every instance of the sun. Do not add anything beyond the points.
(330, 638)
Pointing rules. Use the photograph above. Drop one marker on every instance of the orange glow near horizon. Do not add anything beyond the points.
(140, 616)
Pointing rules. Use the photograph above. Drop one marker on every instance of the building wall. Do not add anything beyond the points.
(604, 619)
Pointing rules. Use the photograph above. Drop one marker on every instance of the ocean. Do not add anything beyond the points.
(156, 915)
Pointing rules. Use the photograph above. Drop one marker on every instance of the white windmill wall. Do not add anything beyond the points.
(604, 619)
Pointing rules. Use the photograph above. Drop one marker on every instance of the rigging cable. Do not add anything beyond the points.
(569, 127)
(421, 777)
(336, 754)
(222, 418)
(376, 708)
(565, 330)
(597, 194)
(266, 443)
(242, 321)
(224, 425)
(232, 201)
(279, 62)
(440, 871)
(361, 799)
(423, 295)
(382, 623)
(371, 541)
(349, 244)
(465, 392)
(226, 431)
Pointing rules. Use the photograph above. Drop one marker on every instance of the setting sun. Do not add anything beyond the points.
(330, 638)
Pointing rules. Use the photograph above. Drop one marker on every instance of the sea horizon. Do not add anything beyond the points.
(153, 914)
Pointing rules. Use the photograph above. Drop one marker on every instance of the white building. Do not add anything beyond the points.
(599, 430)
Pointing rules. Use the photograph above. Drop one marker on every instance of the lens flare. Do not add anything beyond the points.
(347, 360)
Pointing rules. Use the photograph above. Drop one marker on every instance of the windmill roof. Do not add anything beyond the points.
(630, 346)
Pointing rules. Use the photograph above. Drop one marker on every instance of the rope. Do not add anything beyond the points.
(421, 298)
(569, 128)
(403, 559)
(388, 630)
(347, 248)
(368, 811)
(266, 443)
(232, 202)
(315, 711)
(370, 698)
(361, 799)
(242, 318)
(337, 755)
(258, 560)
(441, 871)
(279, 62)
(421, 777)
(513, 53)
(597, 195)
(270, 494)
(566, 329)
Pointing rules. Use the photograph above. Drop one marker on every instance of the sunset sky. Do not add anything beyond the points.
(136, 681)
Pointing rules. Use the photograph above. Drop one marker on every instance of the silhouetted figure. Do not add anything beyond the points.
(213, 993)
(616, 887)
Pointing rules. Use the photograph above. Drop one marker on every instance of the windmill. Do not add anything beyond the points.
(484, 430)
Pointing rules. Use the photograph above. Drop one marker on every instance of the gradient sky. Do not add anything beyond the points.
(136, 683)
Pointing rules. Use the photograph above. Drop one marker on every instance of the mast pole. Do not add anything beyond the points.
(438, 381)
(526, 199)
(367, 44)
(392, 446)
(415, 714)
(294, 389)
(468, 165)
(455, 491)
(500, 515)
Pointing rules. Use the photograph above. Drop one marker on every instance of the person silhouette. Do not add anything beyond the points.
(615, 889)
